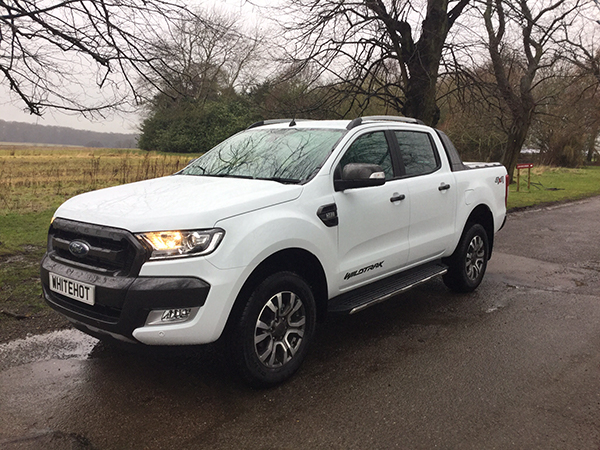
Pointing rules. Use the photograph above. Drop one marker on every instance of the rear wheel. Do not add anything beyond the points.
(271, 336)
(468, 262)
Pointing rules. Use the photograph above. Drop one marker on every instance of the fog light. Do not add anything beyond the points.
(175, 315)
(168, 316)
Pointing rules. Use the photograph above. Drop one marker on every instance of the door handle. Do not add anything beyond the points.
(397, 198)
(444, 187)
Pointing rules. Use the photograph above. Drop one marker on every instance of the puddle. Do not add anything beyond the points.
(62, 344)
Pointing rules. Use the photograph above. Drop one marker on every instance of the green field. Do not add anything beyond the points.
(34, 181)
(554, 184)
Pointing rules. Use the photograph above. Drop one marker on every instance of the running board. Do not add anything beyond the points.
(363, 297)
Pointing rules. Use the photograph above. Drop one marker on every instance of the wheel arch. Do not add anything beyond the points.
(482, 215)
(296, 260)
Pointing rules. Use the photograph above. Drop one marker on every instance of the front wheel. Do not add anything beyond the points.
(468, 262)
(271, 336)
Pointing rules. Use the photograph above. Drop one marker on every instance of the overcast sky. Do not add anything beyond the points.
(13, 110)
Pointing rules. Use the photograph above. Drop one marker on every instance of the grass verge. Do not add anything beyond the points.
(22, 245)
(554, 185)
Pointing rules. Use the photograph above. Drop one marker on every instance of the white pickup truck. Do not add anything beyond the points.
(270, 231)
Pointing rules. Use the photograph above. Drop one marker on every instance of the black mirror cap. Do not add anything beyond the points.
(357, 175)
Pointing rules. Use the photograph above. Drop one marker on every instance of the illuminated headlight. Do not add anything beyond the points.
(175, 244)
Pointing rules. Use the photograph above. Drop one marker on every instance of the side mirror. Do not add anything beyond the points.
(357, 175)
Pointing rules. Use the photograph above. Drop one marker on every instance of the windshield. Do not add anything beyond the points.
(282, 154)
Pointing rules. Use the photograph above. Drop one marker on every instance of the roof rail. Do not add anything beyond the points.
(356, 122)
(292, 122)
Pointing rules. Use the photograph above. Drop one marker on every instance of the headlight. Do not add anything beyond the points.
(175, 244)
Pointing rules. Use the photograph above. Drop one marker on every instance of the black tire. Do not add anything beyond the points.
(270, 337)
(467, 264)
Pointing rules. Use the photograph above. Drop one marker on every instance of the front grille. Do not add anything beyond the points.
(110, 251)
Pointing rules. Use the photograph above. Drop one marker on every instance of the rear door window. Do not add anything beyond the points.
(417, 152)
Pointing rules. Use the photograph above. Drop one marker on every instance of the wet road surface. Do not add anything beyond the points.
(515, 364)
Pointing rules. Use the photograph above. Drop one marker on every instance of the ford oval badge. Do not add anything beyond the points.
(79, 248)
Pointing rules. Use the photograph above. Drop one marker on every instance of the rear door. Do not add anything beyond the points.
(431, 192)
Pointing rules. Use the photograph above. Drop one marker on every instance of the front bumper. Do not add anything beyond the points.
(122, 304)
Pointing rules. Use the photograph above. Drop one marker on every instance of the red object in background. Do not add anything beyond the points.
(527, 166)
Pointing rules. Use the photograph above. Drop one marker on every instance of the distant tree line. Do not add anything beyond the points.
(42, 134)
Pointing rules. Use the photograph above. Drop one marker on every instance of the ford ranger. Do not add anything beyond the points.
(264, 235)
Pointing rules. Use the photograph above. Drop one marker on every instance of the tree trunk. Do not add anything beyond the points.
(420, 101)
(516, 139)
(591, 144)
(521, 102)
(423, 61)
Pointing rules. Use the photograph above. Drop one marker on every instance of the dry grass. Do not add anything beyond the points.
(34, 178)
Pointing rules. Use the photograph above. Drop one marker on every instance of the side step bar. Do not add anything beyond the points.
(361, 298)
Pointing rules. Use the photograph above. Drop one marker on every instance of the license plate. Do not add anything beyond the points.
(73, 289)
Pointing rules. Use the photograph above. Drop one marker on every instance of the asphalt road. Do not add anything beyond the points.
(514, 365)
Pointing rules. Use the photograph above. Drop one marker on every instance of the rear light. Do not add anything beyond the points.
(506, 191)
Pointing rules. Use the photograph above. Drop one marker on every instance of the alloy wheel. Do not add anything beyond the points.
(279, 329)
(475, 258)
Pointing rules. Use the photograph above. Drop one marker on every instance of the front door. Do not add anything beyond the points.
(373, 221)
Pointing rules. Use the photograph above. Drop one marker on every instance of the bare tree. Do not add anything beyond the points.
(204, 57)
(565, 128)
(472, 112)
(593, 68)
(586, 57)
(53, 53)
(198, 95)
(541, 29)
(384, 50)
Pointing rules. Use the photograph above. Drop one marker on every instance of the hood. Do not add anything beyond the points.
(176, 202)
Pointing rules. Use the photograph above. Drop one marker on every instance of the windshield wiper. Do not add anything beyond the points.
(281, 180)
(227, 175)
(190, 168)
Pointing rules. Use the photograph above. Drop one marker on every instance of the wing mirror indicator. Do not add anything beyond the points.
(358, 175)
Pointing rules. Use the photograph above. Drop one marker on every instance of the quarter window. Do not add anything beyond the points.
(417, 152)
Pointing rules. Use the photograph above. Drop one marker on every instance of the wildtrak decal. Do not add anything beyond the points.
(378, 265)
